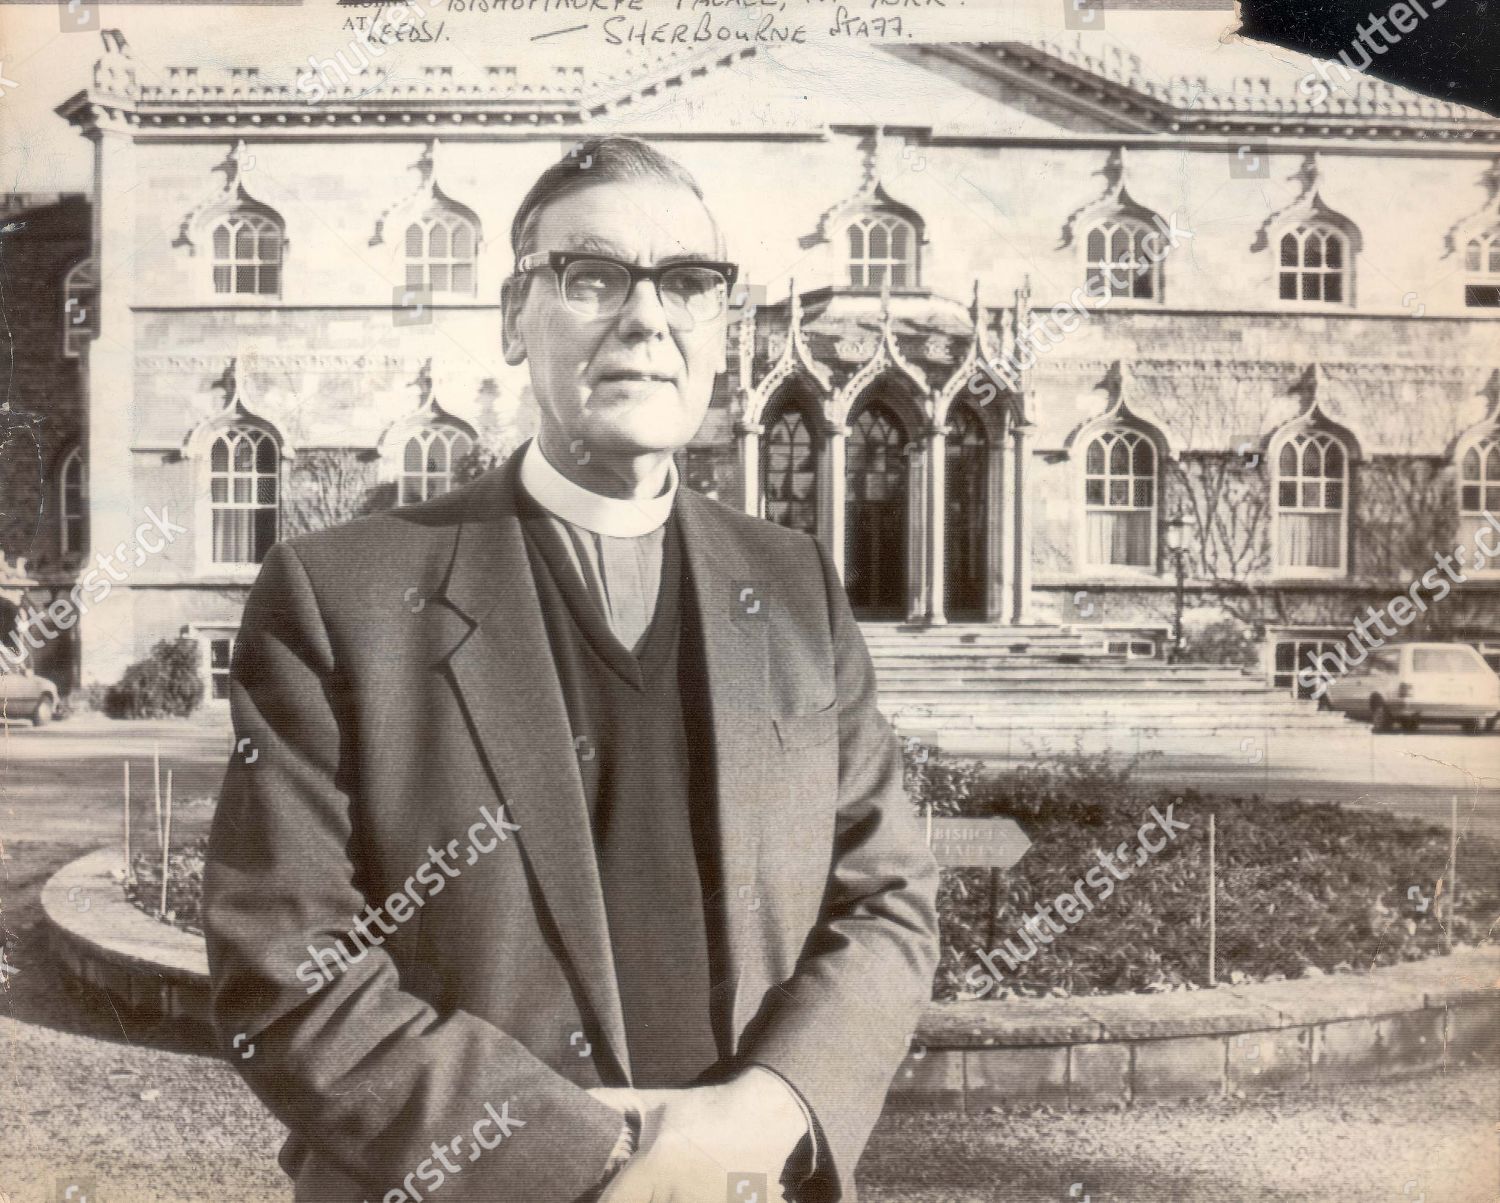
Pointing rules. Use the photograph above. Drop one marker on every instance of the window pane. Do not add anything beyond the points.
(1333, 460)
(1286, 461)
(1288, 251)
(414, 241)
(1492, 463)
(411, 459)
(1144, 459)
(439, 277)
(1312, 494)
(1288, 286)
(265, 490)
(438, 241)
(1119, 458)
(265, 455)
(856, 242)
(1095, 463)
(244, 455)
(463, 241)
(1470, 499)
(1334, 254)
(244, 279)
(1312, 252)
(1093, 492)
(218, 457)
(1286, 495)
(1143, 493)
(270, 246)
(1333, 288)
(1119, 492)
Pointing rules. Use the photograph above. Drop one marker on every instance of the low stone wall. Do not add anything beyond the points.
(156, 970)
(1115, 1050)
(1080, 1053)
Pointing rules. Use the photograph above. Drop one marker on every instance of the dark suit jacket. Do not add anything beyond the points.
(393, 676)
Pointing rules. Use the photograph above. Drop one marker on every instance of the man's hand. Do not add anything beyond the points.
(694, 1140)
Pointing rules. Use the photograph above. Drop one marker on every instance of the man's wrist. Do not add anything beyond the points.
(776, 1104)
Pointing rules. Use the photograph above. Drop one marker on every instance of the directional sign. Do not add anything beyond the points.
(977, 843)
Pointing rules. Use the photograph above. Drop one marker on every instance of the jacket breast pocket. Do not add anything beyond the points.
(799, 731)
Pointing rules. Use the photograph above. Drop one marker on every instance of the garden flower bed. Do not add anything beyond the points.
(1302, 889)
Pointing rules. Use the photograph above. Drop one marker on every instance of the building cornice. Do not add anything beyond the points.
(1126, 100)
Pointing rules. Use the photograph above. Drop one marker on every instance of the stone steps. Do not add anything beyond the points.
(1040, 679)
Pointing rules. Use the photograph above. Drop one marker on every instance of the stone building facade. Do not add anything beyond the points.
(1262, 332)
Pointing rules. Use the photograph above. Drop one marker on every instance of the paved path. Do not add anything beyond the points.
(1415, 775)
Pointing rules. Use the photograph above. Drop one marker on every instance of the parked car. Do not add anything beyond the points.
(1416, 683)
(23, 694)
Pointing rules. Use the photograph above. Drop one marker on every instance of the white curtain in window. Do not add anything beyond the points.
(1119, 537)
(1310, 540)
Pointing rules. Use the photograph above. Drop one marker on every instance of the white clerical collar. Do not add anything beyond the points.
(620, 517)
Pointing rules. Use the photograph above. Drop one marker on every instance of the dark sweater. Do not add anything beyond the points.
(640, 726)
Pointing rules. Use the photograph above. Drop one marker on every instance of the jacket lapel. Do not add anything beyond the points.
(504, 673)
(735, 639)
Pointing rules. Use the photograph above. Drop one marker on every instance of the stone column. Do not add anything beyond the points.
(107, 633)
(937, 537)
(1021, 574)
(831, 485)
(747, 436)
(996, 533)
(916, 523)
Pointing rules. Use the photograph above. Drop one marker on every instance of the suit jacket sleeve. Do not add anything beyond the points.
(367, 1073)
(838, 1028)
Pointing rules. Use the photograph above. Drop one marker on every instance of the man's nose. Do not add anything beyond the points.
(643, 315)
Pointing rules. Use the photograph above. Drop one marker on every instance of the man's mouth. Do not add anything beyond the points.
(633, 376)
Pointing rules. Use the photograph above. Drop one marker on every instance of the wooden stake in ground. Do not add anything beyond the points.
(1213, 912)
(156, 787)
(1452, 874)
(166, 844)
(127, 820)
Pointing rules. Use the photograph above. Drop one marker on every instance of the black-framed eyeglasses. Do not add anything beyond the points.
(591, 285)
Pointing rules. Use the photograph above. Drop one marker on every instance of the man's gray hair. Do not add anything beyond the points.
(602, 160)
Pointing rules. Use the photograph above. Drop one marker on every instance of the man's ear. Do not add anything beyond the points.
(512, 298)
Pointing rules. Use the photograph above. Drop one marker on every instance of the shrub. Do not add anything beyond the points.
(1223, 641)
(166, 684)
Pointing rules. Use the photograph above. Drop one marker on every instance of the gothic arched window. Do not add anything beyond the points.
(1312, 496)
(247, 254)
(1119, 500)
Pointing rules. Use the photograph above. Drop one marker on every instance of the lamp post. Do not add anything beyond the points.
(1175, 531)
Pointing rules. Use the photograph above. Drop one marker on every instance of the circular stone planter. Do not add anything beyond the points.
(1105, 1051)
(156, 970)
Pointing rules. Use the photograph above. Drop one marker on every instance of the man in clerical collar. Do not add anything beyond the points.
(661, 916)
